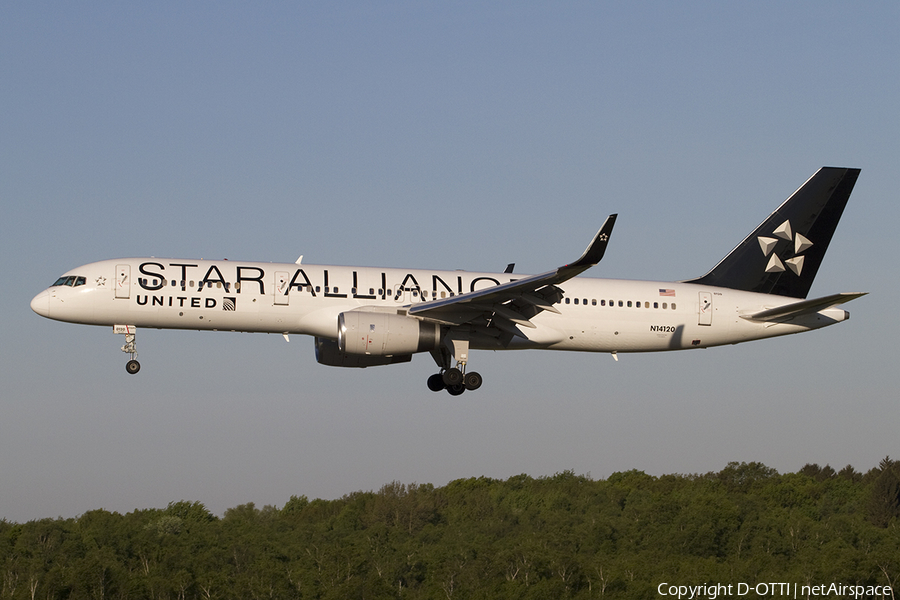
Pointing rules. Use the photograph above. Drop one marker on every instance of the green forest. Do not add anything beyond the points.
(564, 536)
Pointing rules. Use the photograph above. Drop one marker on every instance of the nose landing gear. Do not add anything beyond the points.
(132, 366)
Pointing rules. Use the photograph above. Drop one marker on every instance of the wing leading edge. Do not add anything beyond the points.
(513, 304)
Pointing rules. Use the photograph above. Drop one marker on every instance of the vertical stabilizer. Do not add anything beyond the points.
(782, 256)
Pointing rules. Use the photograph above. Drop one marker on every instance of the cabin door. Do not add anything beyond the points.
(282, 280)
(123, 281)
(706, 308)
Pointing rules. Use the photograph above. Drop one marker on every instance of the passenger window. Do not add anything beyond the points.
(318, 288)
(443, 294)
(665, 305)
(371, 291)
(629, 304)
(237, 285)
(567, 300)
(646, 305)
(620, 304)
(593, 302)
(576, 300)
(219, 284)
(192, 283)
(673, 306)
(656, 305)
(603, 303)
(209, 284)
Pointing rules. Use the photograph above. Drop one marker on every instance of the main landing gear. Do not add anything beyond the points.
(454, 379)
(132, 366)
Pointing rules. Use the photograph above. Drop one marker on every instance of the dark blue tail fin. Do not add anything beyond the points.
(782, 256)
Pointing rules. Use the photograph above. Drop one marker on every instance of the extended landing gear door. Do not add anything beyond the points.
(123, 281)
(282, 279)
(706, 308)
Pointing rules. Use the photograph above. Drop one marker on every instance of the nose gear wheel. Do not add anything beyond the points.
(130, 347)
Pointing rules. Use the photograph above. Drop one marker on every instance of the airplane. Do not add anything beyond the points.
(364, 316)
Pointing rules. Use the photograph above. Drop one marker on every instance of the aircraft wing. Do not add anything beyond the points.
(804, 307)
(513, 304)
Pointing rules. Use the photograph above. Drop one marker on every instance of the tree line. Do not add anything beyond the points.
(564, 536)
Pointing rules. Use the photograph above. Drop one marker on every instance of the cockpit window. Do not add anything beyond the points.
(71, 281)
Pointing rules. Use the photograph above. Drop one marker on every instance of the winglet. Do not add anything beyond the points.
(595, 250)
(446, 310)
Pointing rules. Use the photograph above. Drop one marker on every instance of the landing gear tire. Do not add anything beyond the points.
(472, 381)
(436, 383)
(456, 390)
(452, 377)
(132, 366)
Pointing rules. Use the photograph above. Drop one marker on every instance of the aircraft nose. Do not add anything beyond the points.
(41, 303)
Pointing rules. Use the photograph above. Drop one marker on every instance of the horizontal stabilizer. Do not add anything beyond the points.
(804, 307)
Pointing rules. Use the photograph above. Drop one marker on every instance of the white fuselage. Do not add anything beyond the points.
(595, 315)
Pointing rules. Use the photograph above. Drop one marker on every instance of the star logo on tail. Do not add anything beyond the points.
(784, 232)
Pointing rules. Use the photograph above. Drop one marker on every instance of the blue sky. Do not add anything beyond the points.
(436, 135)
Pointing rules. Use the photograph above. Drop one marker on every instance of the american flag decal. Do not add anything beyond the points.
(667, 292)
(229, 304)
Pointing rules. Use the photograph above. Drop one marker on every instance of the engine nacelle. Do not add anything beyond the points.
(377, 333)
(328, 353)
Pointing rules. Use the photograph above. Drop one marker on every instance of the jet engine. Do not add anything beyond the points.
(378, 333)
(327, 353)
